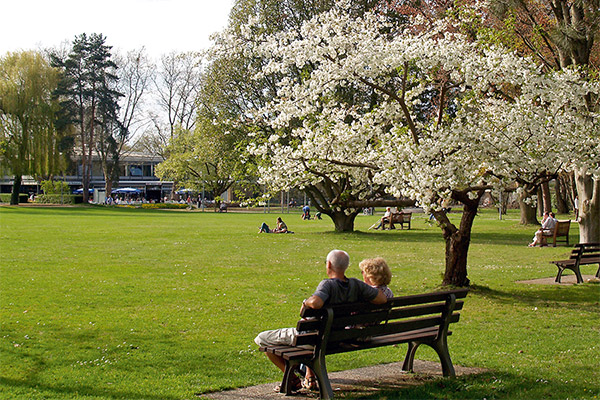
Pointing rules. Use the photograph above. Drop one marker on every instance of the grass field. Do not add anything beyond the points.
(99, 303)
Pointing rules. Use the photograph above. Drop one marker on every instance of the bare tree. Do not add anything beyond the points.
(178, 83)
(135, 74)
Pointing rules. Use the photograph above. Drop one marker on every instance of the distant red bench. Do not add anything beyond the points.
(561, 230)
(400, 218)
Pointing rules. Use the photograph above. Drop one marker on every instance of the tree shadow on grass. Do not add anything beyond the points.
(77, 390)
(495, 385)
(417, 235)
(412, 235)
(30, 381)
(574, 297)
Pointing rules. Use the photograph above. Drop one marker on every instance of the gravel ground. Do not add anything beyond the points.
(363, 381)
(570, 279)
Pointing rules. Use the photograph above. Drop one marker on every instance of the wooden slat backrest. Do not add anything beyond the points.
(356, 320)
(341, 335)
(585, 250)
(591, 249)
(562, 228)
(591, 245)
(575, 253)
(586, 258)
(392, 314)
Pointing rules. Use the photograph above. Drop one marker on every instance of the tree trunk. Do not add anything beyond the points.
(16, 189)
(458, 240)
(528, 212)
(342, 221)
(547, 203)
(108, 181)
(562, 197)
(588, 192)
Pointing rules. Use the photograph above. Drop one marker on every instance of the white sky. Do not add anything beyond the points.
(161, 26)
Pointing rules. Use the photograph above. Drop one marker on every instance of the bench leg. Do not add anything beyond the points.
(578, 274)
(410, 356)
(598, 272)
(286, 386)
(441, 348)
(320, 370)
(558, 276)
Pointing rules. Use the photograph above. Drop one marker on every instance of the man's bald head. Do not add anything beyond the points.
(339, 260)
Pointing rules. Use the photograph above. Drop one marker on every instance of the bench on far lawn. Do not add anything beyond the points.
(561, 229)
(582, 254)
(400, 218)
(417, 319)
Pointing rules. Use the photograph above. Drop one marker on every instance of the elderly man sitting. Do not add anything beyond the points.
(334, 290)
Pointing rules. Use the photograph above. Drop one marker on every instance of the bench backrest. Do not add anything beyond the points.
(586, 251)
(335, 325)
(401, 217)
(562, 228)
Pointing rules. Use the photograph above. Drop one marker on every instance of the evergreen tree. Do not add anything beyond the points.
(87, 95)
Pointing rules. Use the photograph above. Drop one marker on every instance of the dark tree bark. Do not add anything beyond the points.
(562, 197)
(528, 212)
(343, 222)
(547, 198)
(458, 239)
(16, 189)
(588, 191)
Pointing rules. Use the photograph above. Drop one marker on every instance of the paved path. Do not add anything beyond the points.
(362, 381)
(568, 279)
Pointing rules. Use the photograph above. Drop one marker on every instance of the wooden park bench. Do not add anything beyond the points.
(561, 229)
(417, 319)
(582, 254)
(400, 218)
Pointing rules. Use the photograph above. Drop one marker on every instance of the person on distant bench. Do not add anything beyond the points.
(334, 290)
(547, 229)
(384, 220)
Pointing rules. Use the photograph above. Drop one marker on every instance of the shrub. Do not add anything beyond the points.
(5, 197)
(55, 187)
(56, 199)
(156, 206)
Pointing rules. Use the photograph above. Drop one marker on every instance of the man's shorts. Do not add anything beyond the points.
(276, 337)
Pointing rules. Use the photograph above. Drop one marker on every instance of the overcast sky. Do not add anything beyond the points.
(161, 26)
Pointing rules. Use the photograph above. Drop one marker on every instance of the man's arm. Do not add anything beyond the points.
(313, 302)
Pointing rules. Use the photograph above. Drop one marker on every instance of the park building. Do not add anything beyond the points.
(137, 171)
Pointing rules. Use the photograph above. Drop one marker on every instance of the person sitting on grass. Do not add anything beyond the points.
(336, 289)
(281, 227)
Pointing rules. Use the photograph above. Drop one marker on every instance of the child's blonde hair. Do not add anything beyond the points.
(377, 270)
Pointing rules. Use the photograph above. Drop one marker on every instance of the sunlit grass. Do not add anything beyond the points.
(135, 304)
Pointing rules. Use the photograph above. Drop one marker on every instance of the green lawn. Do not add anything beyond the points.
(99, 303)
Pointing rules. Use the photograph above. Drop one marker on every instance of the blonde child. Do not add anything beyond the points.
(377, 273)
